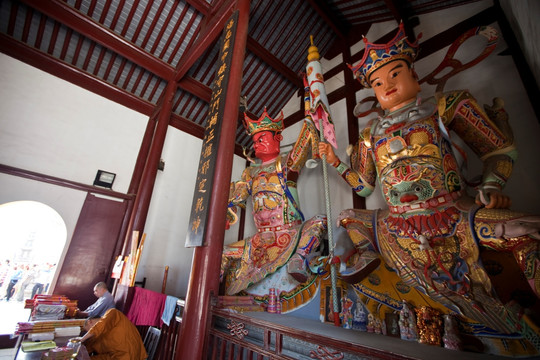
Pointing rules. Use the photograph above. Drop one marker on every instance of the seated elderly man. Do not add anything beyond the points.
(104, 302)
(113, 337)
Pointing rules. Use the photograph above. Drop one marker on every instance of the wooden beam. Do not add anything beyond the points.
(202, 6)
(196, 88)
(355, 35)
(187, 126)
(70, 73)
(359, 202)
(294, 118)
(324, 11)
(204, 277)
(10, 170)
(209, 34)
(86, 26)
(268, 58)
(446, 37)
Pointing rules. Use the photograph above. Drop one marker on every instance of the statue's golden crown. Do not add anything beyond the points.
(264, 123)
(377, 55)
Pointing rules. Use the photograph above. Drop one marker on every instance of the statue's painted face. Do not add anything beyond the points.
(266, 145)
(395, 85)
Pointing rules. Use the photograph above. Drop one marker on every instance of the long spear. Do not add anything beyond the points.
(320, 110)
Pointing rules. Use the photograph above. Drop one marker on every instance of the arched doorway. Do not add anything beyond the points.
(32, 239)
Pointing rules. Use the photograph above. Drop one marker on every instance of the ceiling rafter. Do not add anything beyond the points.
(62, 13)
(202, 6)
(121, 69)
(72, 74)
(208, 35)
(401, 15)
(259, 51)
(82, 24)
(324, 12)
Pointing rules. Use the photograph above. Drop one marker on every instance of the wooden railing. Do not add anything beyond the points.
(263, 336)
(237, 336)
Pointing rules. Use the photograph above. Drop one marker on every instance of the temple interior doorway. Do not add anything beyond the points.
(32, 238)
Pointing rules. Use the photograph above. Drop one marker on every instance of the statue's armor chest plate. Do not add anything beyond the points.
(267, 197)
(413, 157)
(270, 203)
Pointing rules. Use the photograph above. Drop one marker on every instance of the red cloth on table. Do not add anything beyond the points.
(147, 307)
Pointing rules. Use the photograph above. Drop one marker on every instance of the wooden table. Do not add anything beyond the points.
(60, 341)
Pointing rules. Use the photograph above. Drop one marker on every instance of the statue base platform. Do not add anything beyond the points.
(299, 338)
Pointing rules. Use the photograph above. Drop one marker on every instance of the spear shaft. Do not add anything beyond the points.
(313, 57)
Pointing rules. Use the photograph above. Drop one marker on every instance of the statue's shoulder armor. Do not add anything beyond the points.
(447, 103)
(249, 172)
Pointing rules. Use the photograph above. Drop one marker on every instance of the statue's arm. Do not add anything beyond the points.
(306, 143)
(239, 192)
(361, 175)
(489, 138)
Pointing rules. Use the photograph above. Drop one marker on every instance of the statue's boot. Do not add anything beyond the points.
(526, 225)
(362, 260)
(310, 234)
(527, 248)
(358, 264)
(297, 268)
(518, 233)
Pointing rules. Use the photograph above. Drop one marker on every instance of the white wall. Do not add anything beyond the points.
(50, 126)
(168, 217)
(64, 130)
(522, 16)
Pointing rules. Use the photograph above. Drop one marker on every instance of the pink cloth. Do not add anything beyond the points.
(147, 307)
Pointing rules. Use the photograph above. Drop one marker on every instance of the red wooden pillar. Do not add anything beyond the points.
(148, 177)
(142, 158)
(205, 268)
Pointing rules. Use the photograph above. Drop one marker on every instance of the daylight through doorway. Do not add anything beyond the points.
(32, 239)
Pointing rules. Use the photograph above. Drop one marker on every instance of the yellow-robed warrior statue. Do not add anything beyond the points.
(432, 232)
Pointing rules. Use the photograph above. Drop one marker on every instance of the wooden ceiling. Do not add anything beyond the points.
(127, 50)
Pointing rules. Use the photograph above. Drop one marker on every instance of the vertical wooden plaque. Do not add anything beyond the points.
(207, 162)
